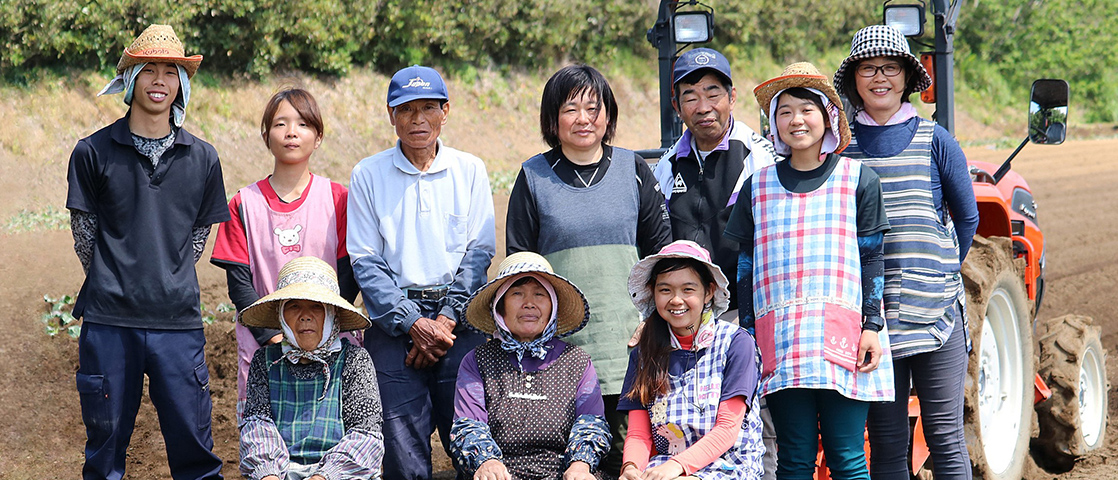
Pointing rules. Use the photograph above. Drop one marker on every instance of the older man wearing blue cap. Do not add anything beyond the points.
(420, 236)
(703, 172)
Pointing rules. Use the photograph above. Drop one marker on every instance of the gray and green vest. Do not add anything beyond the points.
(922, 278)
(310, 427)
(589, 235)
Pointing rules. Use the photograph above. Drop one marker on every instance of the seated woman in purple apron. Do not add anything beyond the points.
(691, 387)
(313, 409)
(528, 405)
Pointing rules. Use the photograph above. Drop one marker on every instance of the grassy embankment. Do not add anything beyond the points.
(493, 115)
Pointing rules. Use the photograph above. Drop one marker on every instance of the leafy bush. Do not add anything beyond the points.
(1001, 46)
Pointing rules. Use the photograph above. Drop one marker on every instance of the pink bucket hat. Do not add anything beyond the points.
(638, 277)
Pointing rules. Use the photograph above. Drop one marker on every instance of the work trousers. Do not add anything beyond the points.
(938, 377)
(416, 402)
(112, 362)
(804, 416)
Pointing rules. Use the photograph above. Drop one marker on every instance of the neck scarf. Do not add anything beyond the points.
(906, 112)
(537, 348)
(125, 83)
(703, 337)
(328, 345)
(830, 137)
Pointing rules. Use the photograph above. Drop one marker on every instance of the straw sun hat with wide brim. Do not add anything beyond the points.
(304, 278)
(803, 75)
(642, 271)
(573, 312)
(158, 43)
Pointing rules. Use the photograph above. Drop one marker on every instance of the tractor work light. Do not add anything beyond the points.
(908, 19)
(693, 26)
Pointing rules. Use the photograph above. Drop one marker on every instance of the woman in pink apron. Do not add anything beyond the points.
(291, 213)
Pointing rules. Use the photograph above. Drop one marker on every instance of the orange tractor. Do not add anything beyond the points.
(1018, 366)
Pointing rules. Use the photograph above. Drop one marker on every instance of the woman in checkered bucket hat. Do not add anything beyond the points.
(691, 387)
(933, 216)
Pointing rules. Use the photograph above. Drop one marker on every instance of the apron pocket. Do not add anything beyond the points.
(842, 331)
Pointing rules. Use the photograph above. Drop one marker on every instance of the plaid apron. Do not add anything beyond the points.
(807, 287)
(688, 411)
(309, 427)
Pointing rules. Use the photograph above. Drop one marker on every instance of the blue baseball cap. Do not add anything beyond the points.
(415, 83)
(698, 59)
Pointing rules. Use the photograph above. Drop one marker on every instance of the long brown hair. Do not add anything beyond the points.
(655, 346)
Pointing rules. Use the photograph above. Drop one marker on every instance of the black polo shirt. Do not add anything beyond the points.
(141, 274)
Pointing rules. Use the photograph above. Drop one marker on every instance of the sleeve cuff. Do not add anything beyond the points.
(450, 312)
(408, 316)
(873, 323)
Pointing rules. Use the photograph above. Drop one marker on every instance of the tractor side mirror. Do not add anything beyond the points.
(1048, 111)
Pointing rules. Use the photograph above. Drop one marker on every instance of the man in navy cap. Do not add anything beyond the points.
(420, 236)
(702, 173)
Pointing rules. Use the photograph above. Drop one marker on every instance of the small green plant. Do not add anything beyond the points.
(501, 181)
(60, 317)
(209, 316)
(50, 218)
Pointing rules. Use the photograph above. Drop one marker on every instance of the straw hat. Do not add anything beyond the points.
(804, 75)
(573, 312)
(881, 41)
(304, 278)
(638, 277)
(158, 43)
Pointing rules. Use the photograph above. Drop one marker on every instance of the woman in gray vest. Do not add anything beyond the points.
(933, 215)
(592, 210)
(527, 404)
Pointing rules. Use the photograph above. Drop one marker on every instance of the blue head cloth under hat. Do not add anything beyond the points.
(698, 59)
(416, 83)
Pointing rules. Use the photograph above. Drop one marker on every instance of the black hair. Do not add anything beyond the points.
(805, 94)
(500, 305)
(850, 85)
(572, 81)
(694, 77)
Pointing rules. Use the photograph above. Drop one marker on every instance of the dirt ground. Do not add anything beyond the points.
(41, 434)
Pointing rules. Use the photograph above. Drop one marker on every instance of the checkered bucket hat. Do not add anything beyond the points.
(880, 41)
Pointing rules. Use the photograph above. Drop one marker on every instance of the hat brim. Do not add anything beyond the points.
(263, 313)
(411, 98)
(642, 295)
(572, 313)
(769, 89)
(190, 64)
(922, 83)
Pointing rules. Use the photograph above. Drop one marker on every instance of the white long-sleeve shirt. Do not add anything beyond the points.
(418, 229)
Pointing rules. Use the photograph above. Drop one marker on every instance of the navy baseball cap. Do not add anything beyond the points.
(698, 59)
(415, 83)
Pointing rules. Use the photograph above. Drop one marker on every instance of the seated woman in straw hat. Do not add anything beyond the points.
(313, 410)
(527, 404)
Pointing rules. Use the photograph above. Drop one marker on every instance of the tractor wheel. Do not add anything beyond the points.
(1073, 364)
(998, 407)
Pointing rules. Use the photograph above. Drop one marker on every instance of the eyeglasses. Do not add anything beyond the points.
(866, 70)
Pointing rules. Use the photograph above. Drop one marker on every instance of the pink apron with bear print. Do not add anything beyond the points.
(273, 239)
